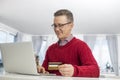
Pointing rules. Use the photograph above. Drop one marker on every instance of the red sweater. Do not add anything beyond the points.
(75, 52)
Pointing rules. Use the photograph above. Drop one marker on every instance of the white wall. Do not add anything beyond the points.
(26, 37)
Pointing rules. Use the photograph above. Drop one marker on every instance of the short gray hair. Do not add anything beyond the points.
(65, 12)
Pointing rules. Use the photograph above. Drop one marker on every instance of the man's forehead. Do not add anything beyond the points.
(60, 19)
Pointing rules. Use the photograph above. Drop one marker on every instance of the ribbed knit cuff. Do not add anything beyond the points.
(75, 71)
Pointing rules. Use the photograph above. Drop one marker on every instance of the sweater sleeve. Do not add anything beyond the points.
(88, 66)
(45, 62)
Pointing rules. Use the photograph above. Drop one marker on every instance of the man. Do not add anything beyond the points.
(74, 55)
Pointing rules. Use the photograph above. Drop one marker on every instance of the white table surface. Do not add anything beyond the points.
(10, 76)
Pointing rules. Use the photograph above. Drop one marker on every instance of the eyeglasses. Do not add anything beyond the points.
(59, 25)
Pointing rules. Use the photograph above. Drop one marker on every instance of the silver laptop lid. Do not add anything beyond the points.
(18, 57)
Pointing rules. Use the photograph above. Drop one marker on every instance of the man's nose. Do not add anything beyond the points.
(57, 28)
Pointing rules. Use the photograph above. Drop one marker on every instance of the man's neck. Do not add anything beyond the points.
(65, 41)
(62, 39)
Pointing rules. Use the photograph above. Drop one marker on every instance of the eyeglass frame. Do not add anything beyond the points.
(60, 25)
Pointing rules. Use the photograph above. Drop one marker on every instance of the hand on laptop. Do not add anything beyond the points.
(41, 69)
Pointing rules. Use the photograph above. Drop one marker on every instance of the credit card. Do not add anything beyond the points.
(53, 65)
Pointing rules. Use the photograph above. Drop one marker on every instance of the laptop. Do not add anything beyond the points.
(19, 58)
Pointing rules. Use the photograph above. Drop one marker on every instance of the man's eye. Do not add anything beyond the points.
(60, 25)
(55, 25)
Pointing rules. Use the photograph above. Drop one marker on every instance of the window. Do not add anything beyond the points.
(101, 54)
(10, 38)
(79, 37)
(42, 51)
(5, 37)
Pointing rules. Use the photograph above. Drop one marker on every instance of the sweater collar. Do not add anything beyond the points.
(68, 39)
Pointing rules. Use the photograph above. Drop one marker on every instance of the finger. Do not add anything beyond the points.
(38, 69)
(61, 66)
(43, 70)
(65, 73)
(46, 72)
(61, 73)
(65, 66)
(66, 69)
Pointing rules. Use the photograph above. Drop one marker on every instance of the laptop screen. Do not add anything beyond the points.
(18, 57)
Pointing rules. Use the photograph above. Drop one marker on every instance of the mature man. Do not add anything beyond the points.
(72, 56)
